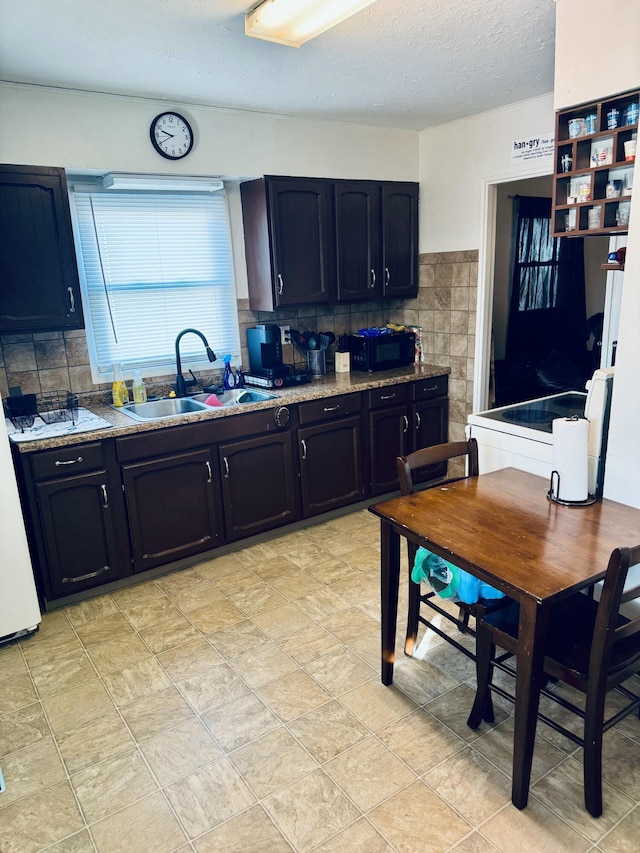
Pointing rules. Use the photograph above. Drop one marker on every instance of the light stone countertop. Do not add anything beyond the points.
(327, 386)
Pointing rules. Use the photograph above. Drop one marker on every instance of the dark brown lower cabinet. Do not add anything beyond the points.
(258, 484)
(80, 533)
(172, 507)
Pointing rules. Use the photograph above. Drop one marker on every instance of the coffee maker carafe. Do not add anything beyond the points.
(265, 351)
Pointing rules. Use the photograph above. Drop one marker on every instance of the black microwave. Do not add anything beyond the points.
(383, 351)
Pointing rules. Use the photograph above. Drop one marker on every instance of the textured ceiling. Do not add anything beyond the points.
(398, 63)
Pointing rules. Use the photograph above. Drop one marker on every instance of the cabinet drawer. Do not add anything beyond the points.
(329, 408)
(391, 395)
(435, 386)
(65, 461)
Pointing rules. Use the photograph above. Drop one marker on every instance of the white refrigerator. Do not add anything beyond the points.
(19, 608)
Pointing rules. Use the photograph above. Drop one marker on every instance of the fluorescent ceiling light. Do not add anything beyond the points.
(293, 22)
(164, 183)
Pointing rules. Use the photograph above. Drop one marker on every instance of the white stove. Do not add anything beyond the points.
(85, 421)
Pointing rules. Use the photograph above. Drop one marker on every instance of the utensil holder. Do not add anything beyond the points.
(343, 362)
(317, 362)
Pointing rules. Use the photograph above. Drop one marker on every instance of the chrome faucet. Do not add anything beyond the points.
(182, 383)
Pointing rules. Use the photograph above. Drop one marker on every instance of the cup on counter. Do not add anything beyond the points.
(317, 363)
(566, 162)
(613, 118)
(613, 189)
(630, 150)
(591, 123)
(577, 127)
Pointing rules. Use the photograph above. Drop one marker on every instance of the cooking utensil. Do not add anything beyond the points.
(312, 342)
(326, 339)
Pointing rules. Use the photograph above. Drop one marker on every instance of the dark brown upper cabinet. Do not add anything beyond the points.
(400, 240)
(40, 287)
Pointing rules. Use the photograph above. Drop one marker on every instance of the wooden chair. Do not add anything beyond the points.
(408, 468)
(590, 646)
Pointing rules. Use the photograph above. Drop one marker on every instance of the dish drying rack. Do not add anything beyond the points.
(51, 406)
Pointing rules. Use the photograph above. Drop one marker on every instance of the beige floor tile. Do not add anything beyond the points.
(214, 570)
(620, 763)
(358, 587)
(330, 570)
(328, 730)
(113, 655)
(349, 625)
(369, 773)
(175, 582)
(306, 553)
(250, 832)
(272, 762)
(474, 843)
(256, 598)
(322, 604)
(310, 811)
(103, 629)
(293, 695)
(140, 595)
(156, 610)
(240, 578)
(210, 619)
(497, 747)
(16, 691)
(422, 680)
(472, 786)
(282, 622)
(148, 824)
(40, 649)
(198, 594)
(76, 706)
(192, 658)
(403, 821)
(112, 784)
(420, 740)
(310, 644)
(624, 838)
(256, 554)
(134, 682)
(452, 708)
(368, 648)
(274, 567)
(213, 688)
(54, 623)
(169, 634)
(532, 830)
(263, 664)
(94, 741)
(91, 609)
(156, 713)
(340, 671)
(62, 672)
(79, 843)
(360, 837)
(448, 658)
(238, 639)
(296, 584)
(40, 819)
(12, 663)
(240, 722)
(562, 792)
(377, 706)
(28, 770)
(208, 797)
(180, 751)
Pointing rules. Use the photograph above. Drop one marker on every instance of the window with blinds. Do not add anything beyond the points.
(152, 264)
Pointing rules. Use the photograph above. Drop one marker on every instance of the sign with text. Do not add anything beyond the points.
(532, 147)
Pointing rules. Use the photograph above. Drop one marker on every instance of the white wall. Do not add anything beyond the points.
(597, 50)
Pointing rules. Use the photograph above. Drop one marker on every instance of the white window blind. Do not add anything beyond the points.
(152, 264)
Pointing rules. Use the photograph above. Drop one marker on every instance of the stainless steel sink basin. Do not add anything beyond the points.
(155, 410)
(239, 396)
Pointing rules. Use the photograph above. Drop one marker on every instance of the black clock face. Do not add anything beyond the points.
(171, 135)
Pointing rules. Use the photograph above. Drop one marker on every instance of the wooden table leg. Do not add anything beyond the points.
(532, 631)
(389, 581)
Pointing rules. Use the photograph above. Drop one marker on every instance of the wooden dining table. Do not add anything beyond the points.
(502, 528)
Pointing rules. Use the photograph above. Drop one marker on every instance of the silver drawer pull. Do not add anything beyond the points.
(406, 423)
(280, 285)
(331, 408)
(431, 388)
(304, 448)
(387, 396)
(387, 275)
(418, 421)
(226, 467)
(105, 497)
(209, 474)
(58, 463)
(86, 577)
(373, 279)
(72, 301)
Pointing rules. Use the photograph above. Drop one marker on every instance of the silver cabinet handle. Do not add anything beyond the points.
(304, 448)
(72, 300)
(331, 408)
(431, 388)
(387, 275)
(105, 497)
(282, 416)
(86, 577)
(58, 462)
(209, 474)
(226, 467)
(387, 396)
(418, 421)
(373, 279)
(406, 423)
(280, 285)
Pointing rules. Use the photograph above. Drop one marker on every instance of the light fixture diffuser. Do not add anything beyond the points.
(159, 183)
(293, 22)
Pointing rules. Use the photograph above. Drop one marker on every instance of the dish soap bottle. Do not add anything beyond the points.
(139, 389)
(119, 392)
(229, 378)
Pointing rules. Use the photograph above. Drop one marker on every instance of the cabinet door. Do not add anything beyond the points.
(300, 219)
(80, 533)
(258, 484)
(330, 458)
(388, 439)
(430, 426)
(400, 239)
(358, 256)
(40, 289)
(172, 508)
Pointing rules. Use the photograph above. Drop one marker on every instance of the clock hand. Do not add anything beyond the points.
(170, 135)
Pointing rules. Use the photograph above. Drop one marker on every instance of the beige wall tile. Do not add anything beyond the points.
(19, 357)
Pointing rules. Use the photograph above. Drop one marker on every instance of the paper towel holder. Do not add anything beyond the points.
(554, 491)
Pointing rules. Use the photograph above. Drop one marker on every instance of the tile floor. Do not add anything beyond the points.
(236, 706)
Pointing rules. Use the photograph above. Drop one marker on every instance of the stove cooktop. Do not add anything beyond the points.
(539, 414)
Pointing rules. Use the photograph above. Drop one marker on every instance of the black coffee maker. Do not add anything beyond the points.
(265, 351)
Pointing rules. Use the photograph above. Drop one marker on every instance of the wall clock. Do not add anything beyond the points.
(171, 135)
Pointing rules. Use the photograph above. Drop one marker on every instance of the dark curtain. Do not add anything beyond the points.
(547, 317)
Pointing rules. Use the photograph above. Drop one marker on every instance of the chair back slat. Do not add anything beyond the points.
(426, 456)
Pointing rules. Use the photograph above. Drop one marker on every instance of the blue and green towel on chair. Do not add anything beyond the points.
(449, 581)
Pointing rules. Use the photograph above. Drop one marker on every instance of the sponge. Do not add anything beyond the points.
(212, 400)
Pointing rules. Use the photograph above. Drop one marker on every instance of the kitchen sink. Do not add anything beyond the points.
(238, 396)
(155, 410)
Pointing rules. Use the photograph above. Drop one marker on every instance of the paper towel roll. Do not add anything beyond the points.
(570, 459)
